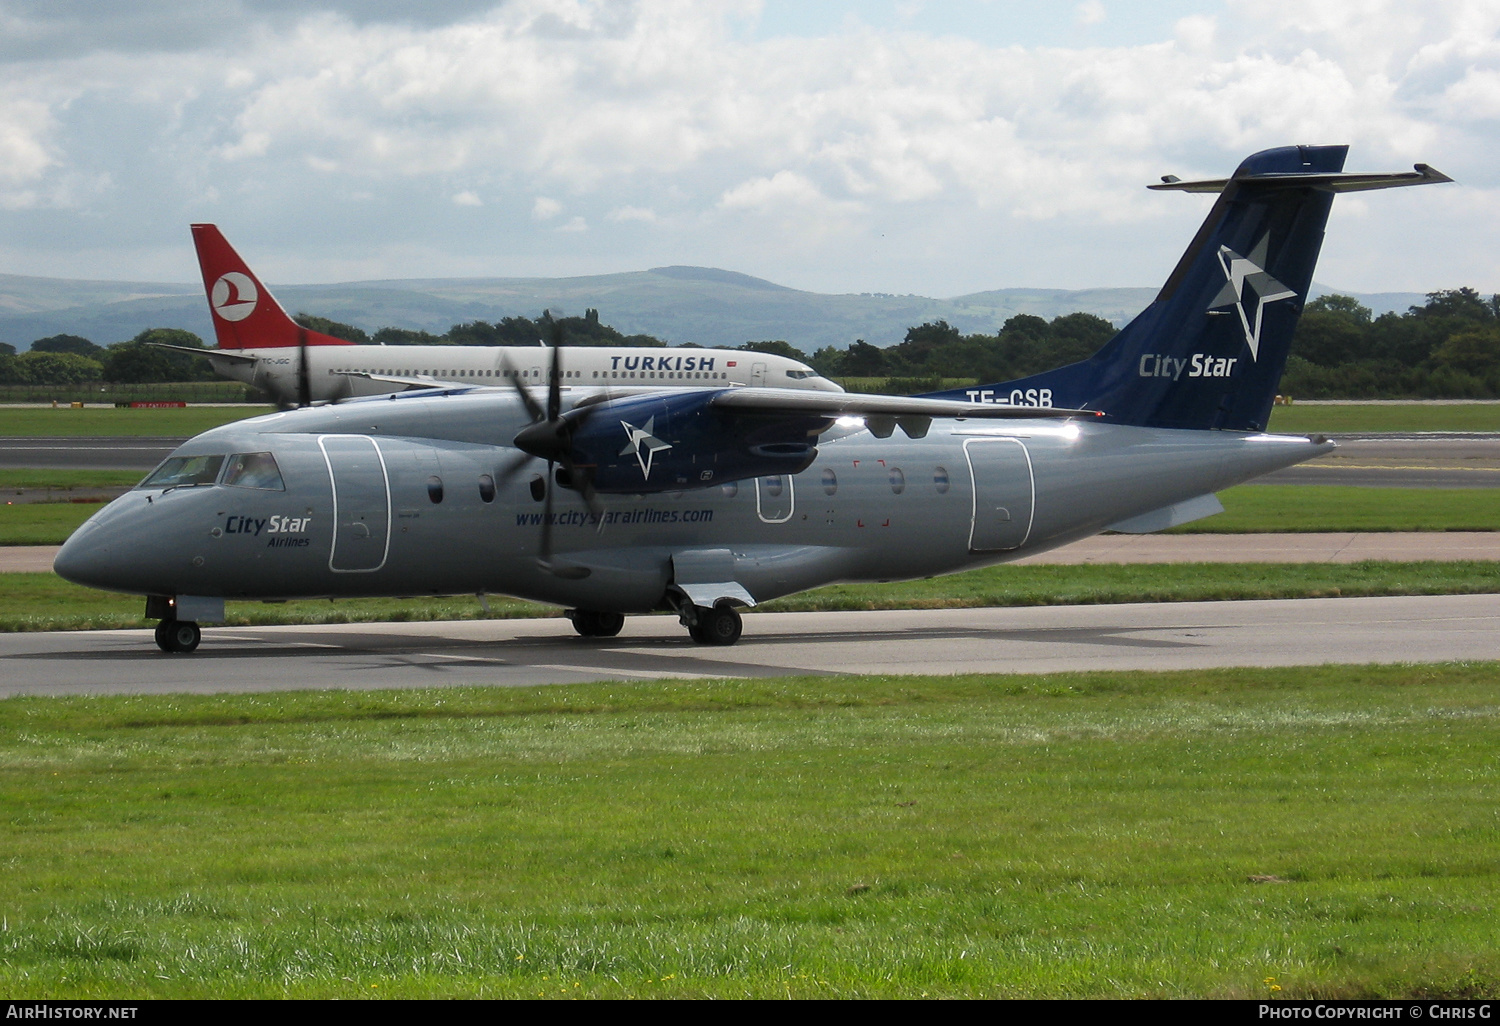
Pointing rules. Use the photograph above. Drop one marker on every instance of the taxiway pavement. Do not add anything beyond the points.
(1165, 636)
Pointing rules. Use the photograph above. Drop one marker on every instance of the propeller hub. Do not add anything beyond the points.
(548, 440)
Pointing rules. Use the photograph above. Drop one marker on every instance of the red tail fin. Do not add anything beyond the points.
(245, 314)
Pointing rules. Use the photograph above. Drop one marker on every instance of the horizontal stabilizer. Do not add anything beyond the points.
(1336, 182)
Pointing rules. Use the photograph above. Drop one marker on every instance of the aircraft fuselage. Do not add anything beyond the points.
(412, 497)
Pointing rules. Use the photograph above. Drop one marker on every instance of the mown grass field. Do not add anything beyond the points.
(1323, 832)
(1247, 509)
(40, 602)
(1362, 418)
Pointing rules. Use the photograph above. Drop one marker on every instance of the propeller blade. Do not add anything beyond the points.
(546, 547)
(554, 384)
(533, 408)
(513, 466)
(304, 385)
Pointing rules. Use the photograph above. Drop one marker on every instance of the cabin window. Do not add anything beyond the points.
(898, 480)
(730, 490)
(254, 470)
(940, 480)
(435, 489)
(774, 487)
(830, 482)
(486, 488)
(538, 487)
(184, 472)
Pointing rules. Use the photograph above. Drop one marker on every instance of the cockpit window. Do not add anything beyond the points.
(801, 374)
(254, 470)
(184, 471)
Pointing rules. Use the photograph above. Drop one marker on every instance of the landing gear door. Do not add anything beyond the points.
(1004, 493)
(775, 498)
(361, 503)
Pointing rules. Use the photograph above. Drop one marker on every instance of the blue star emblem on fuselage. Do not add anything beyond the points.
(1240, 274)
(643, 445)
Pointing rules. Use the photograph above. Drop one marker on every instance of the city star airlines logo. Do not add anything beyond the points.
(643, 445)
(234, 296)
(1246, 277)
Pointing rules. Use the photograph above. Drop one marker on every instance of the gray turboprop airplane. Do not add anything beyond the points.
(704, 500)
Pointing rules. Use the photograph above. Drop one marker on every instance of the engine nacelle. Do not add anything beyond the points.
(664, 442)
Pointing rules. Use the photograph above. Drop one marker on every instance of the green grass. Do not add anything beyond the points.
(1301, 508)
(42, 523)
(1296, 420)
(43, 601)
(1247, 509)
(1071, 835)
(109, 423)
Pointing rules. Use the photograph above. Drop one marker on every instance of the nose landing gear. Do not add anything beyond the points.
(178, 635)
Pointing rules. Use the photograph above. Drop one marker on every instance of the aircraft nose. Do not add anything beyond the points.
(81, 560)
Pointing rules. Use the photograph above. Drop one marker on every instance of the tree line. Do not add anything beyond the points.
(1449, 347)
(74, 360)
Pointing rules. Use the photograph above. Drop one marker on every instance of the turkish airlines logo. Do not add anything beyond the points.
(233, 297)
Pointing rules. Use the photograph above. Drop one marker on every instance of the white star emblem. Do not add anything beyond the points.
(1242, 271)
(643, 444)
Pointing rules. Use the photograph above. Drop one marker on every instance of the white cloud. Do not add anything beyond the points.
(781, 189)
(1090, 12)
(660, 112)
(629, 213)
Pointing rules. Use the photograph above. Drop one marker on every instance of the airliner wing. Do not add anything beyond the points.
(410, 381)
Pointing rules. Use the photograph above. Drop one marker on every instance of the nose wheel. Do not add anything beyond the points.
(720, 625)
(177, 635)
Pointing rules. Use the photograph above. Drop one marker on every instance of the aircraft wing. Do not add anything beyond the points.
(881, 413)
(408, 380)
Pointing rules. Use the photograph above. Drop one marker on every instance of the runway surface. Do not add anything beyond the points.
(1188, 635)
(85, 453)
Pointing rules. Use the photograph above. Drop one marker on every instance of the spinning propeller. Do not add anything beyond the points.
(549, 437)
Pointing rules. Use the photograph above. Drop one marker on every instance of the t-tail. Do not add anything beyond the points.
(245, 314)
(1210, 350)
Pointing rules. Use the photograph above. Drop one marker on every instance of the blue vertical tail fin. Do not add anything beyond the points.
(1210, 349)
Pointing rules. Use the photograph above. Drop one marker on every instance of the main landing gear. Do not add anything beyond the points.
(720, 625)
(177, 635)
(593, 624)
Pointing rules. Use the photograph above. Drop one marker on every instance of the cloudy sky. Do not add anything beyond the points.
(843, 146)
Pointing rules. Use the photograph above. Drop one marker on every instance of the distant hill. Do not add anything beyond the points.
(705, 305)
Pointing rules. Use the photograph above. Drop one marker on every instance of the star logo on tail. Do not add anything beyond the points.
(643, 445)
(1247, 282)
